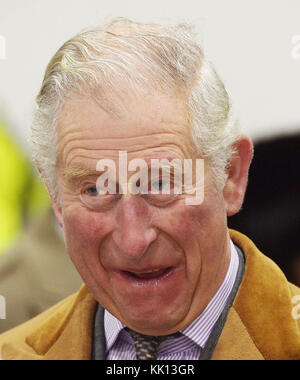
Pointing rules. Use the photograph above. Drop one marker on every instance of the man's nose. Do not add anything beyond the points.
(133, 234)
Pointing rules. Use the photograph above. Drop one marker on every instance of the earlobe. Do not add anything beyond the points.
(236, 184)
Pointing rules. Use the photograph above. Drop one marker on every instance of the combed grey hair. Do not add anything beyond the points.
(143, 57)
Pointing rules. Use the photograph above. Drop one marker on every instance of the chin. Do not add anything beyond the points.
(155, 322)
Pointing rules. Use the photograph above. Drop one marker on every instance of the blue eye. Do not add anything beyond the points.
(92, 191)
(158, 185)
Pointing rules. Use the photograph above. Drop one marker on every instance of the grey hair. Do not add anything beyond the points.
(144, 57)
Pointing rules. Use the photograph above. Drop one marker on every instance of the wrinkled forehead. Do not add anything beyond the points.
(140, 124)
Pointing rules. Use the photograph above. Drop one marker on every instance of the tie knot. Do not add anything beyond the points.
(146, 345)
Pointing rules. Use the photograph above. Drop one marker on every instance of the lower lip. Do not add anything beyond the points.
(147, 282)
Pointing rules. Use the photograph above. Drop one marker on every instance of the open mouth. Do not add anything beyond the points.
(154, 274)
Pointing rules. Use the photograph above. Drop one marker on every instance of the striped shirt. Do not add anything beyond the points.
(185, 345)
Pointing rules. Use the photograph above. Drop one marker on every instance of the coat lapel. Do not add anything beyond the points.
(65, 335)
(235, 343)
(262, 310)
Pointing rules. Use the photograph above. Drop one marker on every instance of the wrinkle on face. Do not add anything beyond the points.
(146, 134)
(134, 232)
(110, 147)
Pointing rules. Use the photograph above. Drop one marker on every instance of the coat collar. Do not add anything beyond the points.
(259, 325)
(264, 305)
(65, 335)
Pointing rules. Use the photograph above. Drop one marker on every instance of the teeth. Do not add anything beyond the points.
(149, 271)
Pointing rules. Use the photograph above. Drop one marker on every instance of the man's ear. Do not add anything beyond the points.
(236, 184)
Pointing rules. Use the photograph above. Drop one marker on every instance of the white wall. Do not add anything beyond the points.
(249, 41)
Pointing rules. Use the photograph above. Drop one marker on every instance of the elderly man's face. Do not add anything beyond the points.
(117, 246)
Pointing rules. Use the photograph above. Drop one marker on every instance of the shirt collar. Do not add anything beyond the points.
(112, 328)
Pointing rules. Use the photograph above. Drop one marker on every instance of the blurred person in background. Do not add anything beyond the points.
(31, 242)
(22, 195)
(271, 211)
(36, 272)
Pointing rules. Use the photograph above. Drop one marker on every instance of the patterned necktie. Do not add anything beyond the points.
(146, 346)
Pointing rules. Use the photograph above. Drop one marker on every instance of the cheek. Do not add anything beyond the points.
(198, 230)
(84, 230)
(187, 224)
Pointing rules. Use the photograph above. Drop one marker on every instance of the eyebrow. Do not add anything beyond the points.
(78, 172)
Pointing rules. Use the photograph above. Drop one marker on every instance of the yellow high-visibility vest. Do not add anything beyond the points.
(21, 193)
